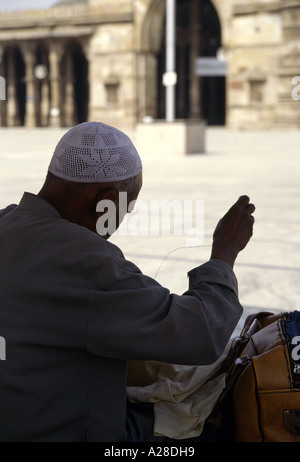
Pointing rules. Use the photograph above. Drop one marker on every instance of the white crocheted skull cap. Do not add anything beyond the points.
(93, 152)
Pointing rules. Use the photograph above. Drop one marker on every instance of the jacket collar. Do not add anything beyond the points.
(34, 203)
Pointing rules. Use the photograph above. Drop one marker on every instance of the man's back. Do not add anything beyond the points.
(52, 388)
(73, 311)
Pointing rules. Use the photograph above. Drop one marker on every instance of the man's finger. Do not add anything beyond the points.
(251, 208)
(243, 201)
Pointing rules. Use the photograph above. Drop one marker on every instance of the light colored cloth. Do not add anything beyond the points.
(183, 396)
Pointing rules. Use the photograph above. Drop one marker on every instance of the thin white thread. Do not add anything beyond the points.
(175, 250)
(199, 246)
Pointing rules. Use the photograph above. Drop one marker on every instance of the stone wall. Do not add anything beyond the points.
(122, 41)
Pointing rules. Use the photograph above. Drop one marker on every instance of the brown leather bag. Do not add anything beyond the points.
(261, 401)
(266, 396)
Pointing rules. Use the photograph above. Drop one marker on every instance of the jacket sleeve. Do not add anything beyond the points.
(131, 316)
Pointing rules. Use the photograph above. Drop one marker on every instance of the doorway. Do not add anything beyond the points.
(198, 34)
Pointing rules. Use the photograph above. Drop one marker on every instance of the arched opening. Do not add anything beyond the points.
(198, 34)
(14, 70)
(75, 88)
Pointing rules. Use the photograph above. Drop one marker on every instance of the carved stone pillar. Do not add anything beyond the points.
(12, 113)
(45, 103)
(55, 55)
(30, 61)
(43, 91)
(69, 92)
(2, 92)
(195, 93)
(181, 65)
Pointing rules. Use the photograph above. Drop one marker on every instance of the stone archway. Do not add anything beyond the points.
(147, 63)
(196, 97)
(153, 26)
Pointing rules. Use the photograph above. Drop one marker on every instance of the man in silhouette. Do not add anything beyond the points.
(74, 310)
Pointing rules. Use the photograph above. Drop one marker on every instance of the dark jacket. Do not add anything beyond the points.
(74, 310)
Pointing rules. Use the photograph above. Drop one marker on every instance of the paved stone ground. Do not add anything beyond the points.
(263, 164)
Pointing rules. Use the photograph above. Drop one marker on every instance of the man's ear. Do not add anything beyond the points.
(107, 194)
(106, 209)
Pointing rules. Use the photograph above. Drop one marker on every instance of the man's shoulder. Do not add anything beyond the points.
(7, 210)
(83, 238)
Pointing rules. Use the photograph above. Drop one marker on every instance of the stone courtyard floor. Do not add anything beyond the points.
(263, 164)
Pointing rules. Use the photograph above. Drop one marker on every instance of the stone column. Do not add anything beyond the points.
(69, 111)
(12, 115)
(30, 61)
(55, 55)
(3, 93)
(146, 85)
(195, 93)
(181, 65)
(43, 90)
(45, 106)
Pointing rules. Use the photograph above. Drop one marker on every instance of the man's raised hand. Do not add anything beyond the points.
(233, 231)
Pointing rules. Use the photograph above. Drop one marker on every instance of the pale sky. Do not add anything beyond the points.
(25, 4)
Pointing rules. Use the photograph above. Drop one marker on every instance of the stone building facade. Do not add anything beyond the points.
(104, 60)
